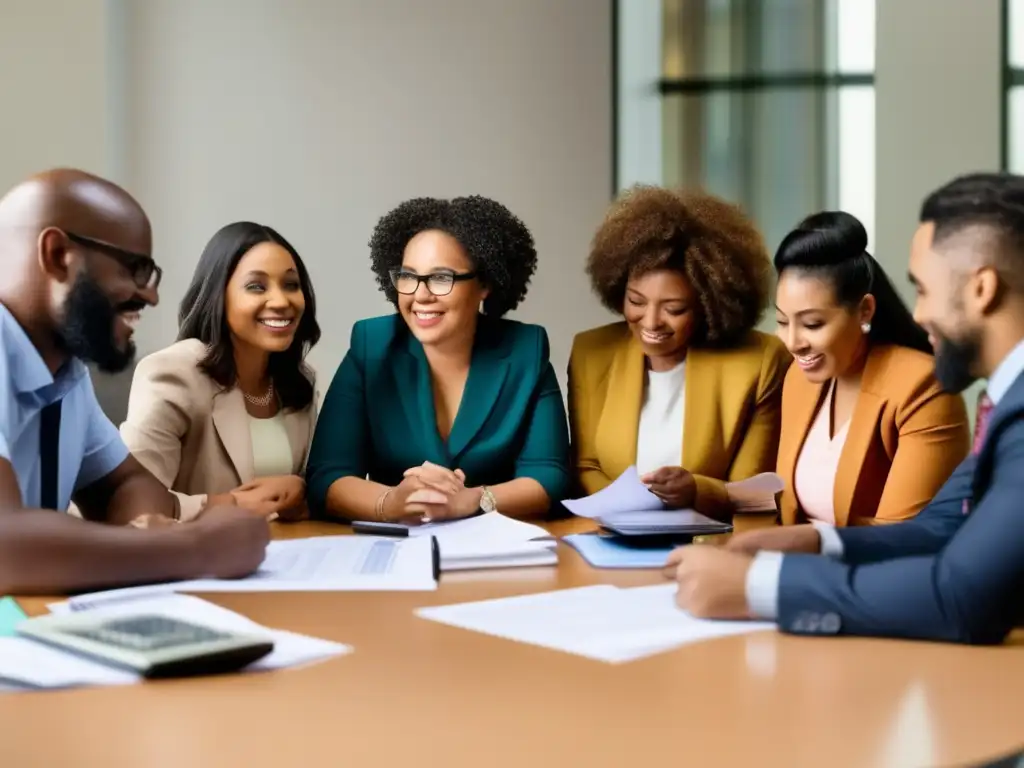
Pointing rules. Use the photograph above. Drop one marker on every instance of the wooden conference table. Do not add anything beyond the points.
(417, 693)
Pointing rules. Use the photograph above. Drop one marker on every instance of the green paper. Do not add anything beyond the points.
(10, 616)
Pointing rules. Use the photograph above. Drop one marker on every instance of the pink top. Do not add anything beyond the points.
(815, 475)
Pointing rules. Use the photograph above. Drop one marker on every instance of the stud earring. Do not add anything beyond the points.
(866, 328)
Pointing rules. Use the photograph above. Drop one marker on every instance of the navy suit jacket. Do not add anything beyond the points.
(944, 575)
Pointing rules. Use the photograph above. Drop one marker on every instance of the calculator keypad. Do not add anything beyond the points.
(148, 633)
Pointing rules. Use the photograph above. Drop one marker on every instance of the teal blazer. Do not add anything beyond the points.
(378, 417)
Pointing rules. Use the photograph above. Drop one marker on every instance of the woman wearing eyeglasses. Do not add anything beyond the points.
(226, 414)
(444, 408)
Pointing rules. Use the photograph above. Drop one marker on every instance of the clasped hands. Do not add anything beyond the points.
(431, 492)
(281, 495)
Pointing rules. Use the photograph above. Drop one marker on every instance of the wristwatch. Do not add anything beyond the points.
(487, 500)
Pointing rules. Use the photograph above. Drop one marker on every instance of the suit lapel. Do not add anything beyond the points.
(232, 424)
(701, 407)
(1009, 408)
(416, 395)
(297, 426)
(488, 369)
(620, 419)
(863, 428)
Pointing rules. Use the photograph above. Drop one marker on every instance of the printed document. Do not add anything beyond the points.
(601, 622)
(317, 564)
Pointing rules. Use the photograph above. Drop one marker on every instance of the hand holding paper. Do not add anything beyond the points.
(629, 507)
(673, 485)
(625, 494)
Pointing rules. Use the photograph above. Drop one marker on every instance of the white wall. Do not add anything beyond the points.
(317, 116)
(53, 88)
(937, 105)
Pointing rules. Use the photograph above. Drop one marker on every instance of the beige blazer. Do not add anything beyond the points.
(193, 434)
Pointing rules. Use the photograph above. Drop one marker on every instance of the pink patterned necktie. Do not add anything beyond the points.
(981, 421)
(984, 411)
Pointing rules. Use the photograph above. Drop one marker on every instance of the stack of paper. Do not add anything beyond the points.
(602, 622)
(489, 541)
(318, 564)
(628, 507)
(29, 665)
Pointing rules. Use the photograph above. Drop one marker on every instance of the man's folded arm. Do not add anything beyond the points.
(925, 534)
(968, 592)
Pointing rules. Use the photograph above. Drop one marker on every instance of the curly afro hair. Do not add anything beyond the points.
(498, 244)
(711, 242)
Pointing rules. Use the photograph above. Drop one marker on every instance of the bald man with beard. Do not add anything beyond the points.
(75, 273)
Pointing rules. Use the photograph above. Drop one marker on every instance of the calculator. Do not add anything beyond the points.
(151, 645)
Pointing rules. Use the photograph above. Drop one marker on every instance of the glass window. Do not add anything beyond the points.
(1013, 128)
(771, 105)
(1015, 33)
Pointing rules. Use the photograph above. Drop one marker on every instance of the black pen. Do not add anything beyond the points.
(380, 529)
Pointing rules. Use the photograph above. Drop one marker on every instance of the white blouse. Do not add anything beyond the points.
(815, 476)
(659, 441)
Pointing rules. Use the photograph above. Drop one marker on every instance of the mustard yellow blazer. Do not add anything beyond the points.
(906, 436)
(733, 401)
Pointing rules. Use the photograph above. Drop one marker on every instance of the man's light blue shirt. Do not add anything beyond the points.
(90, 445)
(763, 576)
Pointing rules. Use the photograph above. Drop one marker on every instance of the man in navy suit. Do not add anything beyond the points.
(955, 572)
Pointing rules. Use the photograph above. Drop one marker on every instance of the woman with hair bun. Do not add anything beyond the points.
(868, 436)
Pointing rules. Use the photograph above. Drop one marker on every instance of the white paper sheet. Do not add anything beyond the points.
(317, 564)
(624, 494)
(601, 622)
(627, 505)
(755, 494)
(34, 665)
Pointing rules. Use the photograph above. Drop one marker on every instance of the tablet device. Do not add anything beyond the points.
(149, 644)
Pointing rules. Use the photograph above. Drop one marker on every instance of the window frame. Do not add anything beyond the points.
(1011, 77)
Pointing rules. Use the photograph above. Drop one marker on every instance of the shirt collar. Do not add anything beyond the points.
(1006, 373)
(28, 371)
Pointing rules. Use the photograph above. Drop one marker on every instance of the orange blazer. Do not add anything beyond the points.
(906, 437)
(732, 415)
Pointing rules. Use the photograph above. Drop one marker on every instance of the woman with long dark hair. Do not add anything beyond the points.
(868, 436)
(226, 413)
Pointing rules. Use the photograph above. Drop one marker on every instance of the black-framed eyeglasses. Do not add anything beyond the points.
(438, 283)
(145, 272)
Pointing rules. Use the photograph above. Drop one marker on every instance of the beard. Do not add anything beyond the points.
(88, 328)
(955, 361)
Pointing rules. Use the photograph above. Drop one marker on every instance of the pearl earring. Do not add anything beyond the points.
(866, 328)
